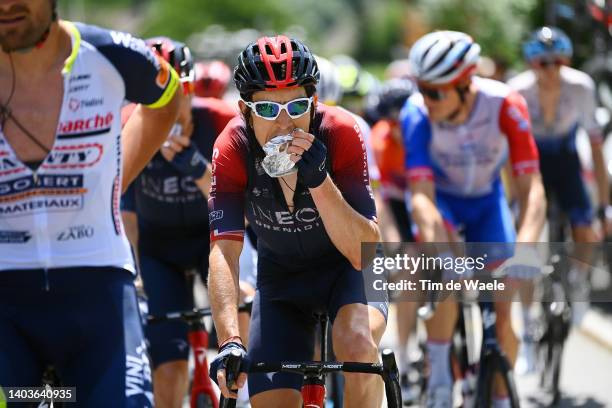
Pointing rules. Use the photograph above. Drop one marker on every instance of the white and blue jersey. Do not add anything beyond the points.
(66, 212)
(576, 108)
(465, 161)
(559, 161)
(67, 298)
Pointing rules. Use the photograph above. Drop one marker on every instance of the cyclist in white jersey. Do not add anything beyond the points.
(67, 296)
(561, 100)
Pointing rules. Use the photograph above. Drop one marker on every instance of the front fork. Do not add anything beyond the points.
(198, 339)
(313, 392)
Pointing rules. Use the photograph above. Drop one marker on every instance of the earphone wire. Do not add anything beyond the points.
(5, 110)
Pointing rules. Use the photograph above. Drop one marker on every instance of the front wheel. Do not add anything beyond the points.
(391, 379)
(503, 367)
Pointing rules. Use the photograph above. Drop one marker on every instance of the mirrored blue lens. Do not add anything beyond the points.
(267, 109)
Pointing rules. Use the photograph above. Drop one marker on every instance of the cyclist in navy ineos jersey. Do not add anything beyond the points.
(67, 295)
(309, 225)
(166, 216)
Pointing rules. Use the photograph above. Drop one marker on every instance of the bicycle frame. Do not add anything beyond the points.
(198, 341)
(492, 359)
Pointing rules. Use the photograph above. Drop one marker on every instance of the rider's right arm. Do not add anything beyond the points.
(425, 213)
(416, 132)
(226, 216)
(223, 286)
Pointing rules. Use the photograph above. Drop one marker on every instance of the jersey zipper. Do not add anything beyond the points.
(278, 190)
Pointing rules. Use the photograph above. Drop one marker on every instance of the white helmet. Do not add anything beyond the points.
(329, 88)
(444, 57)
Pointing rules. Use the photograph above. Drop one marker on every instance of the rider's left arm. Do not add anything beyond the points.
(588, 109)
(346, 227)
(601, 176)
(532, 202)
(524, 157)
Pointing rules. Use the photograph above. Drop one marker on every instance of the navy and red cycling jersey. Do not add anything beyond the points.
(240, 188)
(168, 203)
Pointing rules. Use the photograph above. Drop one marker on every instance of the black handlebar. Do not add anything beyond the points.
(387, 370)
(316, 367)
(193, 314)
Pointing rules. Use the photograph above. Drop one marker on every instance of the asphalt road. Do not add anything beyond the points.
(586, 373)
(585, 376)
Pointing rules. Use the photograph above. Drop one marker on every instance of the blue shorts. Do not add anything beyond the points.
(562, 178)
(84, 322)
(283, 323)
(168, 290)
(483, 219)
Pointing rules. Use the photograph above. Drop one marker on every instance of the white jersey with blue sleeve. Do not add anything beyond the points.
(66, 213)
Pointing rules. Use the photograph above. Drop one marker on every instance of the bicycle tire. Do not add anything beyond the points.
(504, 368)
(557, 354)
(484, 394)
(391, 379)
(551, 370)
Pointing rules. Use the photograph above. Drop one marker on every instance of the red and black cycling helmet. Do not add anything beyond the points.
(275, 63)
(212, 78)
(178, 55)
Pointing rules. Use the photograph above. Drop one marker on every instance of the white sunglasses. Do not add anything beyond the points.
(269, 110)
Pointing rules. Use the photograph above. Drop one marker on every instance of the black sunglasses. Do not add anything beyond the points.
(549, 63)
(435, 94)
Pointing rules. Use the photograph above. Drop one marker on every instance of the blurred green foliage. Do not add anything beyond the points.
(366, 29)
(498, 25)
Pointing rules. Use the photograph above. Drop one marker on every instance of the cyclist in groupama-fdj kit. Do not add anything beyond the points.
(309, 226)
(67, 295)
(459, 131)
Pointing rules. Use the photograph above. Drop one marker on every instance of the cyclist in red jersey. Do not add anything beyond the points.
(310, 225)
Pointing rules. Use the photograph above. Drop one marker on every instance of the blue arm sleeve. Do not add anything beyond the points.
(148, 78)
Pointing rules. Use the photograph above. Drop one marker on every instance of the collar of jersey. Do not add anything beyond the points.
(75, 36)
